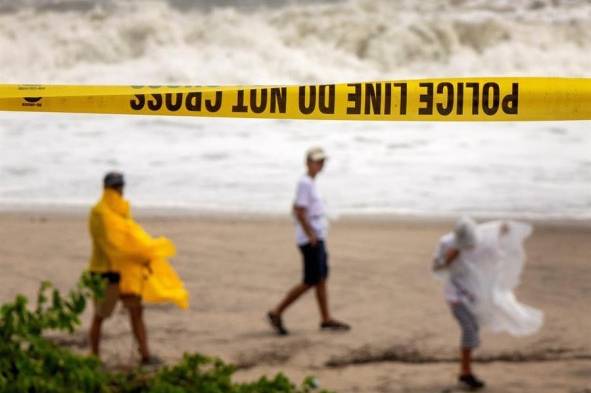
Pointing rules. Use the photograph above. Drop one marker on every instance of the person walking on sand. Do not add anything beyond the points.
(132, 264)
(311, 231)
(481, 265)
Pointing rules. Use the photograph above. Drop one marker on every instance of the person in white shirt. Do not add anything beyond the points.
(311, 232)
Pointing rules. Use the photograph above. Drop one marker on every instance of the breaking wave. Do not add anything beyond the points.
(222, 42)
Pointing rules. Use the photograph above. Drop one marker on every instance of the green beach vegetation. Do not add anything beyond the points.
(29, 362)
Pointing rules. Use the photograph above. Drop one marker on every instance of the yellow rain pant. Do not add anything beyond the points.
(121, 245)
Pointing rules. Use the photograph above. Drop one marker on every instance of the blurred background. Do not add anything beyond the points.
(437, 169)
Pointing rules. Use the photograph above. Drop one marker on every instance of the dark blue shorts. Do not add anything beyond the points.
(315, 262)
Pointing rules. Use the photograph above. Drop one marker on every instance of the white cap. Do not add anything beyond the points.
(465, 233)
(315, 154)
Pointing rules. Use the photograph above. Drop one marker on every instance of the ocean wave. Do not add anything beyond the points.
(83, 41)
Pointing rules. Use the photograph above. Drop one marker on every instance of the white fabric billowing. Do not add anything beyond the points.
(490, 273)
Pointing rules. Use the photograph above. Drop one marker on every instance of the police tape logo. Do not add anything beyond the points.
(32, 101)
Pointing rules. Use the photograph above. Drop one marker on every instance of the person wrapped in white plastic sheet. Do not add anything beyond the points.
(481, 266)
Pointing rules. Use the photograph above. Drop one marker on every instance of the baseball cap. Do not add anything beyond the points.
(315, 154)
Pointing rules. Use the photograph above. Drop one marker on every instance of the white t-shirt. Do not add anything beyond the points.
(457, 285)
(307, 197)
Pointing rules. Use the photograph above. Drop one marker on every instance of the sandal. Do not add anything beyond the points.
(152, 361)
(277, 324)
(335, 325)
(471, 382)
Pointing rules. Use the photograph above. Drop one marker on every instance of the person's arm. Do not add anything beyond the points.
(450, 257)
(301, 216)
(504, 228)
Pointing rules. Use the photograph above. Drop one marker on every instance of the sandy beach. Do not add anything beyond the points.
(403, 339)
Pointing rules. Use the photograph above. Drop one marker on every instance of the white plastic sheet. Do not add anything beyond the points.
(491, 271)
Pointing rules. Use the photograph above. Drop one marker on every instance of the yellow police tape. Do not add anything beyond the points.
(454, 99)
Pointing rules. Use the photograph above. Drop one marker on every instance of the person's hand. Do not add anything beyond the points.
(450, 257)
(504, 228)
(148, 267)
(436, 266)
(313, 239)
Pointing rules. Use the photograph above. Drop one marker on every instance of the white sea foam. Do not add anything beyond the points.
(537, 168)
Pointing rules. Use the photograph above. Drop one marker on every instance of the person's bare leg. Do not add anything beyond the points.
(466, 361)
(322, 298)
(139, 329)
(95, 334)
(291, 297)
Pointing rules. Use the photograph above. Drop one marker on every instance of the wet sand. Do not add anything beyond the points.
(403, 339)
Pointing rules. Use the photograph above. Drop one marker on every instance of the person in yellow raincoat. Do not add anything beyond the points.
(132, 263)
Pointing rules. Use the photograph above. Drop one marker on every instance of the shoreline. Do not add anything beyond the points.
(162, 212)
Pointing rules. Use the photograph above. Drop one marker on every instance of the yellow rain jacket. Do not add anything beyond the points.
(121, 245)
